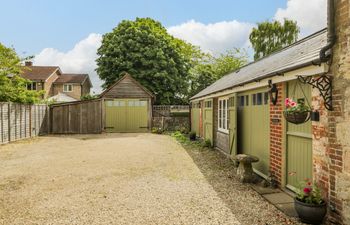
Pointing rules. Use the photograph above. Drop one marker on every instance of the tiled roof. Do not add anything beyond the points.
(71, 78)
(38, 73)
(301, 53)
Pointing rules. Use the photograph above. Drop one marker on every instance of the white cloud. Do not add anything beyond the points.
(311, 15)
(80, 59)
(214, 37)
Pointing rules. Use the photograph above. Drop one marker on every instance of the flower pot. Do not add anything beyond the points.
(297, 117)
(310, 213)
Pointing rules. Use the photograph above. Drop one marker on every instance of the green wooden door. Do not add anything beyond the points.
(195, 115)
(299, 142)
(254, 127)
(126, 115)
(208, 120)
(232, 104)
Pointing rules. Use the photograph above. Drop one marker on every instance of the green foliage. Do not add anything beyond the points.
(269, 37)
(207, 143)
(210, 68)
(157, 130)
(308, 192)
(13, 88)
(89, 97)
(144, 49)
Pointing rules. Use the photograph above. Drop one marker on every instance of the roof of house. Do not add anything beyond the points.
(300, 54)
(61, 97)
(72, 78)
(38, 73)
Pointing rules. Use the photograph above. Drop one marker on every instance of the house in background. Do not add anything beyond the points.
(57, 85)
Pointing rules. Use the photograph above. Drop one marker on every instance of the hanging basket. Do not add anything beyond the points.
(297, 117)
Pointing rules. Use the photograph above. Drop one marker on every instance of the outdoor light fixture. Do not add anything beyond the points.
(273, 92)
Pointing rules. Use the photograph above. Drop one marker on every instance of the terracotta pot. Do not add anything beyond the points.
(297, 117)
(310, 213)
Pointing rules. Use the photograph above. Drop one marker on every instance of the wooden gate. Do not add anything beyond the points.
(208, 120)
(299, 142)
(195, 117)
(232, 104)
(254, 127)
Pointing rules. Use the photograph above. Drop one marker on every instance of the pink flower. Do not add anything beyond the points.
(287, 101)
(307, 190)
(293, 104)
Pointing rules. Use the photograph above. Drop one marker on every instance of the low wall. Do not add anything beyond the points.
(171, 117)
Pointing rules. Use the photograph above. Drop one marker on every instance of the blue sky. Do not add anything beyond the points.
(33, 25)
(67, 33)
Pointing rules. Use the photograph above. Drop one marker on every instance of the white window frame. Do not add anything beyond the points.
(30, 86)
(224, 120)
(67, 85)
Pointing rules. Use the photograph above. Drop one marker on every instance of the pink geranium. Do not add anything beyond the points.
(307, 190)
(286, 102)
(293, 104)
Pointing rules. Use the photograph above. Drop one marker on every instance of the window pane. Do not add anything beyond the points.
(122, 103)
(131, 103)
(259, 99)
(266, 98)
(116, 103)
(224, 114)
(254, 99)
(241, 100)
(143, 103)
(247, 99)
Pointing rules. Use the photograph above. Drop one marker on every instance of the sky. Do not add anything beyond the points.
(67, 33)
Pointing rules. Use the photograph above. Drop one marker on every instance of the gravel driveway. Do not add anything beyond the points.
(105, 179)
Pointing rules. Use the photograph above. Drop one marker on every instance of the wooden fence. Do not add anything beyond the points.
(81, 117)
(19, 121)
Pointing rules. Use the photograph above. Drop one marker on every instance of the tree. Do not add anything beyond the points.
(144, 49)
(12, 86)
(210, 68)
(269, 37)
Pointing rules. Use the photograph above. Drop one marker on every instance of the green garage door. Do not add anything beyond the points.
(254, 127)
(208, 120)
(299, 141)
(126, 115)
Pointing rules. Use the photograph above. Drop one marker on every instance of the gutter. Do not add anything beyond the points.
(277, 73)
(331, 37)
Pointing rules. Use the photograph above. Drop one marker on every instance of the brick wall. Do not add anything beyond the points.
(331, 135)
(48, 85)
(276, 131)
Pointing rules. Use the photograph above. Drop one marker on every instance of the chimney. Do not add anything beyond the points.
(28, 63)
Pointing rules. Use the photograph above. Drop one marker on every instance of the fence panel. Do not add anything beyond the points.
(83, 117)
(20, 121)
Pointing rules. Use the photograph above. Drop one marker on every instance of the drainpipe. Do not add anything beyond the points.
(330, 31)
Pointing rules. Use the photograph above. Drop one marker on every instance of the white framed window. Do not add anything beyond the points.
(67, 87)
(31, 86)
(223, 115)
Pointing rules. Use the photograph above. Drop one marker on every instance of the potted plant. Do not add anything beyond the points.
(296, 112)
(309, 204)
(193, 135)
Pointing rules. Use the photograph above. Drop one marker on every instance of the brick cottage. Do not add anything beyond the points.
(243, 113)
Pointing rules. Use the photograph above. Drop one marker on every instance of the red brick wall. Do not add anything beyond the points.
(332, 133)
(276, 131)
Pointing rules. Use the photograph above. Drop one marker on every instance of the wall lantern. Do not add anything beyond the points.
(273, 92)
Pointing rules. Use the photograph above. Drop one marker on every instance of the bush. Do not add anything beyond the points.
(193, 135)
(207, 143)
(183, 130)
(157, 130)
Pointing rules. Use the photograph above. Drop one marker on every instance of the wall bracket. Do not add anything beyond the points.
(324, 84)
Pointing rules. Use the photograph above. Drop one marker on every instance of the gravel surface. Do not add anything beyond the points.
(116, 179)
(124, 179)
(245, 203)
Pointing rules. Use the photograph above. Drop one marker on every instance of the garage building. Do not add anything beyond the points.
(128, 106)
